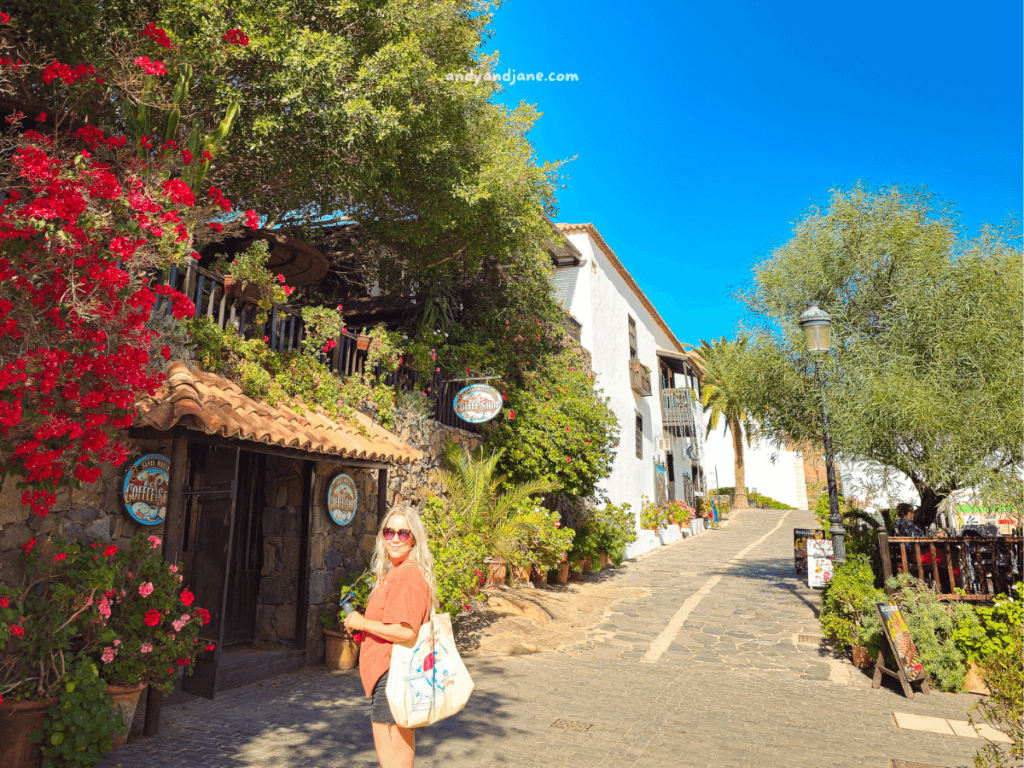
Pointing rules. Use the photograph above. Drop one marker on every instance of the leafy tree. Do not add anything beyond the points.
(722, 394)
(927, 362)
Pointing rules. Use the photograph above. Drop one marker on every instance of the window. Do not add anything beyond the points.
(632, 338)
(639, 435)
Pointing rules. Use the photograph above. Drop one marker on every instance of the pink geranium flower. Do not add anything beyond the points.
(108, 655)
(146, 648)
(146, 589)
(154, 542)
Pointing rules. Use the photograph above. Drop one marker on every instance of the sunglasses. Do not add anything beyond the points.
(403, 535)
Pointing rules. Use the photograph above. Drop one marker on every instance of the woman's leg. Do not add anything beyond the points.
(396, 746)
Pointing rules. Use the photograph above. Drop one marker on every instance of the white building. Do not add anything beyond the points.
(642, 367)
(774, 472)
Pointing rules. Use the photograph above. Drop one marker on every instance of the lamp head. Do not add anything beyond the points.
(816, 324)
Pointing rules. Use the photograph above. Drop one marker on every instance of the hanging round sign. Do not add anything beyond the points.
(145, 489)
(342, 499)
(477, 403)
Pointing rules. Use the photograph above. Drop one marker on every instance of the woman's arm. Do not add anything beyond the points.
(394, 633)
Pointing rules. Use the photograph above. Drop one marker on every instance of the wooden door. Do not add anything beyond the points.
(247, 551)
(208, 541)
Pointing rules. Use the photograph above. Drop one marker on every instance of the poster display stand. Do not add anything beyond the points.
(907, 660)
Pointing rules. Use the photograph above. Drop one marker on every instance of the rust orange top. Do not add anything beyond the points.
(403, 598)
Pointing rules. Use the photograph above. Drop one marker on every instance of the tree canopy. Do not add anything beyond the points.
(926, 372)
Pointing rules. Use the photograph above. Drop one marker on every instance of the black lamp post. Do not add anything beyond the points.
(816, 324)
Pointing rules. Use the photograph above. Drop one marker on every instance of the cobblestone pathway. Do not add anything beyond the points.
(704, 671)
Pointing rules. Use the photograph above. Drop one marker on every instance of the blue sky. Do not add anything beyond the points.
(703, 130)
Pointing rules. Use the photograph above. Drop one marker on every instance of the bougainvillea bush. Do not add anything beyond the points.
(87, 222)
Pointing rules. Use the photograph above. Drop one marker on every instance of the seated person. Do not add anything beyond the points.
(905, 525)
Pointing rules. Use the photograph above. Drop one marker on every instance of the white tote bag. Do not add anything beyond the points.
(427, 680)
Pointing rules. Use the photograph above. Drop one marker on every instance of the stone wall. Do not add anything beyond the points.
(91, 513)
(279, 583)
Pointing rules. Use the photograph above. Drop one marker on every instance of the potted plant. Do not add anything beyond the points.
(246, 277)
(341, 649)
(148, 624)
(40, 622)
(614, 530)
(548, 545)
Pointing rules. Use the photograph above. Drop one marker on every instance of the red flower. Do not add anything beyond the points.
(152, 617)
(4, 602)
(204, 616)
(209, 647)
(27, 546)
(252, 220)
(235, 37)
(170, 670)
(357, 636)
(60, 556)
(151, 67)
(110, 550)
(41, 118)
(182, 662)
(187, 598)
(16, 629)
(157, 35)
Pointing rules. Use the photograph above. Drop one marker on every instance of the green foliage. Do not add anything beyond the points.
(1003, 709)
(614, 528)
(557, 428)
(79, 727)
(458, 552)
(249, 270)
(999, 624)
(848, 605)
(653, 516)
(723, 398)
(927, 363)
(549, 542)
(823, 511)
(932, 625)
(359, 586)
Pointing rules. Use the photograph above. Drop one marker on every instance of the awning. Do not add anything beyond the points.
(676, 361)
(212, 404)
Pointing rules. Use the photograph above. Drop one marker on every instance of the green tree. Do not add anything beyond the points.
(722, 393)
(927, 363)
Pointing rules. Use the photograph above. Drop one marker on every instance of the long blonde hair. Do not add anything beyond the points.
(420, 553)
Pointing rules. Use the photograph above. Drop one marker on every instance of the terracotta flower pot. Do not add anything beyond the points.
(341, 651)
(520, 575)
(363, 343)
(17, 721)
(538, 577)
(861, 658)
(562, 574)
(604, 559)
(576, 571)
(587, 566)
(126, 698)
(496, 570)
(234, 289)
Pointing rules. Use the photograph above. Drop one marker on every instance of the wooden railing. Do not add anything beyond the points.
(573, 327)
(980, 568)
(639, 378)
(284, 331)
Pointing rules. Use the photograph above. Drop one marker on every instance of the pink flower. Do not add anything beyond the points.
(104, 607)
(177, 625)
(117, 643)
(154, 542)
(146, 648)
(108, 655)
(146, 589)
(174, 569)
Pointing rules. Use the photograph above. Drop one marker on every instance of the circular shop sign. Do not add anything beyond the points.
(342, 499)
(477, 403)
(145, 489)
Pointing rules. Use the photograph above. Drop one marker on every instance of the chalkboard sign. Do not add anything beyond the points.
(908, 660)
(800, 537)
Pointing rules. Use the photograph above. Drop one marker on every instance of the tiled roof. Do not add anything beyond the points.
(590, 229)
(212, 404)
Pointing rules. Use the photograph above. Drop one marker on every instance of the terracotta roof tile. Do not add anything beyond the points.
(216, 406)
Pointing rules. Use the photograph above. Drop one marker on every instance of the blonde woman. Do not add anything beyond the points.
(403, 593)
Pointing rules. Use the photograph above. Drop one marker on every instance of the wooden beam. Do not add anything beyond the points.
(382, 495)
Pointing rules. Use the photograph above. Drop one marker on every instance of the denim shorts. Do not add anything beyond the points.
(380, 710)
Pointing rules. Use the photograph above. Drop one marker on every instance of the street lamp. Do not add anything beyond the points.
(816, 324)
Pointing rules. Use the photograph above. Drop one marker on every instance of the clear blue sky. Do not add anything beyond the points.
(703, 130)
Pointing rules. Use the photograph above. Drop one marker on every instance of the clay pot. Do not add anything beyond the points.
(520, 575)
(861, 658)
(561, 576)
(17, 721)
(576, 571)
(126, 698)
(363, 343)
(604, 559)
(587, 566)
(974, 683)
(538, 577)
(496, 570)
(250, 293)
(341, 651)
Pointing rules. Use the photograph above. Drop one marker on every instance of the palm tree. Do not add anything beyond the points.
(721, 394)
(474, 499)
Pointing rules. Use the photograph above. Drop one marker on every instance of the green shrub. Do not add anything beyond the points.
(615, 529)
(932, 624)
(996, 629)
(78, 727)
(1003, 709)
(848, 605)
(823, 513)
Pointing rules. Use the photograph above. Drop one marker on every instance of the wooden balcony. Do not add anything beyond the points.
(677, 410)
(573, 327)
(640, 378)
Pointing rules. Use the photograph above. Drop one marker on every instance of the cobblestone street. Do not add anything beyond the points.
(707, 669)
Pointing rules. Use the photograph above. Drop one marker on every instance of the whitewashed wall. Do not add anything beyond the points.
(601, 300)
(774, 472)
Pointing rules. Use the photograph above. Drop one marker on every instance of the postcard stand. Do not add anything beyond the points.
(900, 672)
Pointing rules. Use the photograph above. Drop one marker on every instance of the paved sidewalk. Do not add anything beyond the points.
(703, 671)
